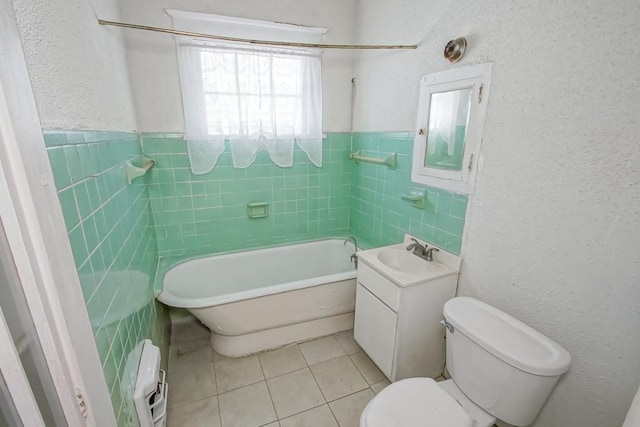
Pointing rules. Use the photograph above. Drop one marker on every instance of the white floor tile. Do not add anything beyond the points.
(338, 378)
(182, 348)
(274, 424)
(379, 386)
(187, 330)
(294, 392)
(201, 413)
(367, 368)
(191, 377)
(248, 406)
(190, 359)
(321, 350)
(282, 361)
(218, 357)
(348, 344)
(348, 409)
(316, 417)
(235, 373)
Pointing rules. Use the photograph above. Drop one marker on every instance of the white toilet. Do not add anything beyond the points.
(500, 368)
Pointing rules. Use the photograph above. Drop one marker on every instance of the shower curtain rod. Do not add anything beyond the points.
(257, 42)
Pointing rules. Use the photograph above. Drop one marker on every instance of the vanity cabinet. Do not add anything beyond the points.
(398, 325)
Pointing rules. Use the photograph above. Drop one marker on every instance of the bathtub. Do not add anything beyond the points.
(262, 299)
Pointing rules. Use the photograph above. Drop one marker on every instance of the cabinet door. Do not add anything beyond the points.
(375, 329)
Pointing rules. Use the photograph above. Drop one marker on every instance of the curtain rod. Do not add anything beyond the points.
(258, 42)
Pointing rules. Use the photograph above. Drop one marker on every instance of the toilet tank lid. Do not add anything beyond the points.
(507, 338)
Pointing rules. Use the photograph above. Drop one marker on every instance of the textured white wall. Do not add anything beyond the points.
(154, 68)
(77, 68)
(553, 231)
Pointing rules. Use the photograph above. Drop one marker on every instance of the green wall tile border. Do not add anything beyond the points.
(54, 138)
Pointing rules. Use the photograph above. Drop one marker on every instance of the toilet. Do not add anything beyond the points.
(500, 369)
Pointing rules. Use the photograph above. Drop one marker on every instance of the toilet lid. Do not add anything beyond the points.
(415, 402)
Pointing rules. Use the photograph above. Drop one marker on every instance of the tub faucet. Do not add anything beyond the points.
(354, 256)
(417, 248)
(351, 239)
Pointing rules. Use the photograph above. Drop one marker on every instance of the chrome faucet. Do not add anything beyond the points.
(417, 248)
(422, 251)
(351, 239)
(354, 256)
(428, 255)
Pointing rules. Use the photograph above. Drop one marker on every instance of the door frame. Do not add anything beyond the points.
(16, 379)
(34, 224)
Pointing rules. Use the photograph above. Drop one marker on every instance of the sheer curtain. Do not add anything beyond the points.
(256, 98)
(203, 148)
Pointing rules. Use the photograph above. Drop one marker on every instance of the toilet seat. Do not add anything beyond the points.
(414, 402)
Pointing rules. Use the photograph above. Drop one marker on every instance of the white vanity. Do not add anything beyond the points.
(399, 300)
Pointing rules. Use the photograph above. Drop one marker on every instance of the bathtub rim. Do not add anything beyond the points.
(172, 300)
(165, 264)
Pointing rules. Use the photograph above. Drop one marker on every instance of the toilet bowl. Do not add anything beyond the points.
(500, 369)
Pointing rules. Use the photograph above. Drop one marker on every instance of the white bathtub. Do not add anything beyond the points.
(262, 299)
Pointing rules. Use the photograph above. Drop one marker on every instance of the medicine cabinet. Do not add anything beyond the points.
(451, 115)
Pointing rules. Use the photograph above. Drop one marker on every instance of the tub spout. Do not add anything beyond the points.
(351, 239)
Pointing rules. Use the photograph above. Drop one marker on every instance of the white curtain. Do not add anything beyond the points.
(257, 98)
(203, 148)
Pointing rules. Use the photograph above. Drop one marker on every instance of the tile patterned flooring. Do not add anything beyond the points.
(326, 382)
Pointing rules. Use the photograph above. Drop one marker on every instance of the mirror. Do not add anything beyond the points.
(451, 114)
(448, 122)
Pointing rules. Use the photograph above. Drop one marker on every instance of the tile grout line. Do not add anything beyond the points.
(329, 402)
(215, 380)
(196, 400)
(360, 371)
(115, 257)
(318, 384)
(307, 366)
(266, 384)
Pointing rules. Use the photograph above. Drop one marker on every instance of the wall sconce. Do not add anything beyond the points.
(454, 50)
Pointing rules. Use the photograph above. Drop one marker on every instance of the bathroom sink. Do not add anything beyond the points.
(404, 268)
(406, 262)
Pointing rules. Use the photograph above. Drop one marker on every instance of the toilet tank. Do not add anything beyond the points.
(503, 365)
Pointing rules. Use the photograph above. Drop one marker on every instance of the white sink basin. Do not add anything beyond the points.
(404, 268)
(406, 262)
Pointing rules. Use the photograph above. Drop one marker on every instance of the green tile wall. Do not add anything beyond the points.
(118, 232)
(378, 214)
(113, 240)
(203, 214)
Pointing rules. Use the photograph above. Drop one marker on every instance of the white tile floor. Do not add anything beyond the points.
(322, 383)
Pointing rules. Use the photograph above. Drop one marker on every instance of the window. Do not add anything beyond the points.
(451, 115)
(256, 98)
(254, 91)
(257, 91)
